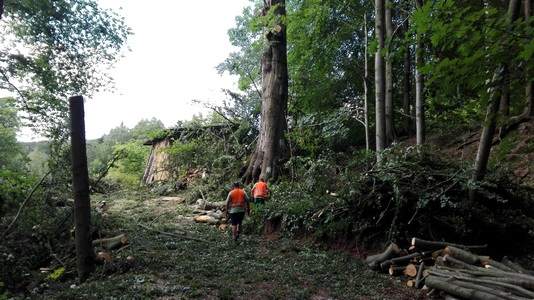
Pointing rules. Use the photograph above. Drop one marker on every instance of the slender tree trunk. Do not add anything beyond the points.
(80, 187)
(365, 87)
(490, 123)
(504, 106)
(407, 88)
(390, 129)
(419, 88)
(379, 80)
(274, 99)
(529, 90)
(1, 8)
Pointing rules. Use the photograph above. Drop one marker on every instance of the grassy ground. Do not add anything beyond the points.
(200, 261)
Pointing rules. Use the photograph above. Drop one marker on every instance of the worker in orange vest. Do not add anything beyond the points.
(260, 192)
(237, 204)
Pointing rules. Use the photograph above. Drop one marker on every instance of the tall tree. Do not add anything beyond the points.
(390, 130)
(495, 94)
(379, 79)
(419, 87)
(365, 84)
(264, 160)
(407, 88)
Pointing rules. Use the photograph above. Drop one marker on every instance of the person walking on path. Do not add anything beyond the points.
(260, 192)
(237, 203)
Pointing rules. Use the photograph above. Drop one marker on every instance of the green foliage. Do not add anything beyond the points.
(130, 167)
(68, 46)
(468, 44)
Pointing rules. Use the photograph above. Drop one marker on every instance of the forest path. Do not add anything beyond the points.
(176, 258)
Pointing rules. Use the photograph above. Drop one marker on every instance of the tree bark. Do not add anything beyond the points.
(490, 122)
(80, 187)
(390, 129)
(529, 90)
(365, 87)
(264, 160)
(407, 88)
(380, 80)
(419, 88)
(504, 106)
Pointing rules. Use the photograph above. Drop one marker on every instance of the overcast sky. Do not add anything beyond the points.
(174, 50)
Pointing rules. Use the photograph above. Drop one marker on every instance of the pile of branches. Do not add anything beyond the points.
(454, 270)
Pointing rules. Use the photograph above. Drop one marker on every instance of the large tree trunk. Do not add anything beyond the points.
(365, 87)
(390, 129)
(379, 80)
(407, 88)
(274, 98)
(419, 88)
(490, 123)
(80, 187)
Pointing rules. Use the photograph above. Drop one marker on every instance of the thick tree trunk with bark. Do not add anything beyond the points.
(379, 79)
(419, 88)
(390, 130)
(504, 106)
(80, 187)
(490, 123)
(274, 99)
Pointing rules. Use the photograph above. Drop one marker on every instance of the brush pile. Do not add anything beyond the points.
(454, 270)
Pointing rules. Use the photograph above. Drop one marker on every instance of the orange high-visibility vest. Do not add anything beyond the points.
(260, 190)
(237, 198)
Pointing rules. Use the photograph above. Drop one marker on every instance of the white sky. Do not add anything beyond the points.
(174, 50)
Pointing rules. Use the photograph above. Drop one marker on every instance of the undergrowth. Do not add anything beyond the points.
(415, 192)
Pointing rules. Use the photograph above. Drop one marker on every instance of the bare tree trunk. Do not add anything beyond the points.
(504, 106)
(407, 88)
(274, 98)
(1, 8)
(80, 187)
(490, 123)
(390, 130)
(529, 88)
(366, 88)
(379, 80)
(419, 88)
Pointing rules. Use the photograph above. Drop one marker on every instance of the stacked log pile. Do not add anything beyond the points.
(455, 271)
(209, 212)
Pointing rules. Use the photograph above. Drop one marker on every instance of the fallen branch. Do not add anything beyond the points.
(399, 260)
(419, 279)
(112, 242)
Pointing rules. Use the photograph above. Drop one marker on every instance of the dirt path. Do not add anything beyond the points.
(200, 261)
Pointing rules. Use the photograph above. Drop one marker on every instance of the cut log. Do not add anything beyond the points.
(420, 244)
(410, 270)
(489, 290)
(111, 243)
(462, 255)
(458, 291)
(410, 283)
(515, 266)
(396, 271)
(497, 265)
(419, 279)
(504, 283)
(453, 262)
(374, 261)
(403, 260)
(206, 219)
(103, 257)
